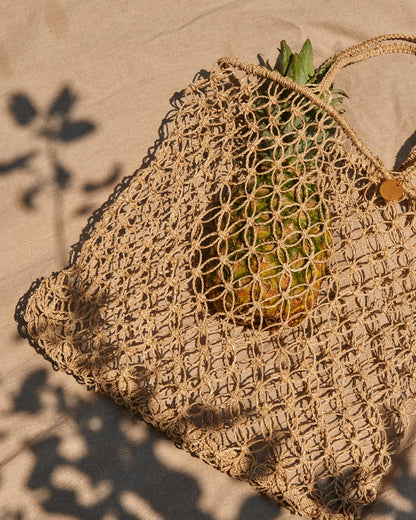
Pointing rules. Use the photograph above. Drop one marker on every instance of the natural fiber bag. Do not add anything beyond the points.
(266, 327)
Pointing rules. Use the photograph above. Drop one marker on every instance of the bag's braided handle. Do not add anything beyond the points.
(399, 43)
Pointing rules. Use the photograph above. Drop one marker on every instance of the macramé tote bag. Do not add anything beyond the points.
(267, 328)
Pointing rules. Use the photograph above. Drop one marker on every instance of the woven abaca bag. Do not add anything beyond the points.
(251, 291)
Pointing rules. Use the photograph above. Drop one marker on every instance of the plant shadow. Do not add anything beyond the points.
(51, 130)
(115, 472)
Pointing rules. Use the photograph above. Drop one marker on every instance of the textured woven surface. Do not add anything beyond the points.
(306, 402)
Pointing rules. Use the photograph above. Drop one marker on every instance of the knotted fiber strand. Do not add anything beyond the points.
(307, 406)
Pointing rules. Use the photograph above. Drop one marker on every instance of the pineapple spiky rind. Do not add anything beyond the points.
(267, 263)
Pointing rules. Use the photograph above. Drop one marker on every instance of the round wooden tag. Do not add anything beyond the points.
(391, 190)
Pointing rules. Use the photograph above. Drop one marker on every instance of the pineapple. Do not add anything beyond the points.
(262, 269)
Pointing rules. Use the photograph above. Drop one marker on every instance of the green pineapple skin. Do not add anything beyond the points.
(273, 269)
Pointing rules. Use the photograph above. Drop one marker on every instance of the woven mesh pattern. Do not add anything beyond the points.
(250, 294)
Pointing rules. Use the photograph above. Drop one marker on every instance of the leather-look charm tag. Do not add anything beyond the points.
(391, 190)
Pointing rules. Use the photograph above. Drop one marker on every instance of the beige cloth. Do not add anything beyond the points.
(106, 71)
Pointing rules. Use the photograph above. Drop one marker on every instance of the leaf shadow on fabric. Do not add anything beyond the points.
(112, 468)
(115, 472)
(51, 130)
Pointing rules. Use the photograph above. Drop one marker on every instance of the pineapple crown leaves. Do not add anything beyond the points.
(296, 66)
(299, 67)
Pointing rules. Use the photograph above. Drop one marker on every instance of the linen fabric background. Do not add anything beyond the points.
(84, 88)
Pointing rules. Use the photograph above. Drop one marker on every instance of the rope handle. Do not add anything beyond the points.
(399, 183)
(399, 43)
